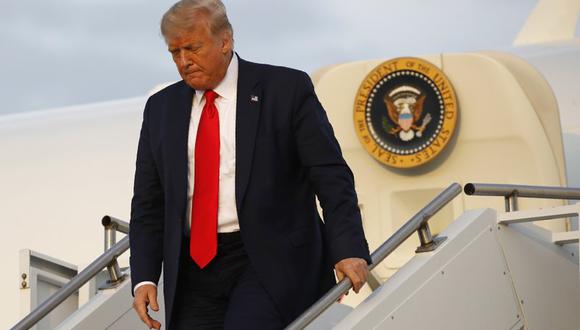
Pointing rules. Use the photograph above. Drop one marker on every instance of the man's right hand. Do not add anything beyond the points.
(146, 295)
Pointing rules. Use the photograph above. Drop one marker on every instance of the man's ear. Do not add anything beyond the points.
(227, 42)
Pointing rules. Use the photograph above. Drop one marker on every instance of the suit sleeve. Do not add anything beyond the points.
(147, 212)
(329, 174)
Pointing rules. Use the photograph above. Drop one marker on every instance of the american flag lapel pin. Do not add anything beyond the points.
(254, 98)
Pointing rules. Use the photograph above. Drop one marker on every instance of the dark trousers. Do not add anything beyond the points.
(226, 294)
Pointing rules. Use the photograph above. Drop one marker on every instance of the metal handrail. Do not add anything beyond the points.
(105, 260)
(506, 190)
(120, 225)
(412, 225)
(418, 223)
(512, 192)
(112, 226)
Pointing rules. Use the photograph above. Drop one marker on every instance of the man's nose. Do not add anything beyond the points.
(184, 60)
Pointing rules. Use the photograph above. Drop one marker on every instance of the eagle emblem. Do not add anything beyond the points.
(405, 107)
(405, 112)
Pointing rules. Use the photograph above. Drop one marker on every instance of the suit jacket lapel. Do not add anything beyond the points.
(177, 131)
(247, 115)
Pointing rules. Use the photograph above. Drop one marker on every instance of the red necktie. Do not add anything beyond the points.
(203, 246)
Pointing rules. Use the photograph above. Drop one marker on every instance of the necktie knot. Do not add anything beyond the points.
(210, 96)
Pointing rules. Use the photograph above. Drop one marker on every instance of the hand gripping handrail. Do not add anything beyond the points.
(105, 260)
(417, 223)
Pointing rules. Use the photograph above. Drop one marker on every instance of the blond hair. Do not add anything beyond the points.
(185, 14)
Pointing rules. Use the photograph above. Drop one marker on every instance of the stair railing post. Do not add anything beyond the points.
(115, 274)
(428, 242)
(514, 201)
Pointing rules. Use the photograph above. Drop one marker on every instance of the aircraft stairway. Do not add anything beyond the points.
(486, 270)
(486, 275)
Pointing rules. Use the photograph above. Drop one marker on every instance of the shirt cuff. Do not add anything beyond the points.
(141, 284)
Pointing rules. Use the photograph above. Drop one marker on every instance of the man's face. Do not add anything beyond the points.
(201, 58)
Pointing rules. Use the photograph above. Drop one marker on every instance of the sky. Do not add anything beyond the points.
(56, 53)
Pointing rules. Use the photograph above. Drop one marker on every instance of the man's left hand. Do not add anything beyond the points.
(356, 269)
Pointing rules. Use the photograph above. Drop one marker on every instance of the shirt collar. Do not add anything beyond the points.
(227, 87)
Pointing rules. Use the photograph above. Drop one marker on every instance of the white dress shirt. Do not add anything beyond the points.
(226, 105)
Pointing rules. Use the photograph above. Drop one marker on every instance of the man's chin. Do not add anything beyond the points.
(197, 85)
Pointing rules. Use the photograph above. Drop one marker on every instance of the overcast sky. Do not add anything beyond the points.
(58, 53)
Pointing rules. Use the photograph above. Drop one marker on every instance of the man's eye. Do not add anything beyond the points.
(193, 49)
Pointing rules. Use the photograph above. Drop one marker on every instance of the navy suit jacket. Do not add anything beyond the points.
(286, 153)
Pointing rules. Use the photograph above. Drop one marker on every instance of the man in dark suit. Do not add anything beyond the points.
(229, 164)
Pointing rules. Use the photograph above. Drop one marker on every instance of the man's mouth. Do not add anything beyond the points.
(192, 72)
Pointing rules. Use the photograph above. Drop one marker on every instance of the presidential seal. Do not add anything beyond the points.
(405, 112)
